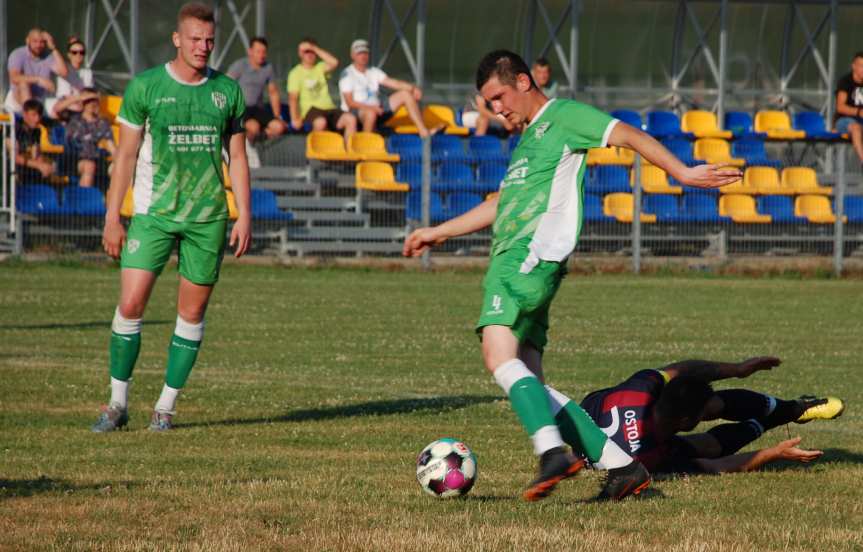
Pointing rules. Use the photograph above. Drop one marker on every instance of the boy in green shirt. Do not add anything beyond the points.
(537, 218)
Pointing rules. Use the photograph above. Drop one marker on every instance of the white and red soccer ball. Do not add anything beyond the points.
(446, 468)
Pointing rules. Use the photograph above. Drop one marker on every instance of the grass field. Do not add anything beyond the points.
(316, 388)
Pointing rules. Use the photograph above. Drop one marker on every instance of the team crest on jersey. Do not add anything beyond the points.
(540, 130)
(132, 246)
(219, 100)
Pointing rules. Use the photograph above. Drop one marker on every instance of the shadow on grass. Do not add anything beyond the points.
(649, 493)
(490, 498)
(372, 408)
(75, 325)
(841, 455)
(16, 488)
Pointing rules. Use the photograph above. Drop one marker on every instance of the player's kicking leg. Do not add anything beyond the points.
(135, 288)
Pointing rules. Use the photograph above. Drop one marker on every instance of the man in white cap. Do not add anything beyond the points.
(360, 86)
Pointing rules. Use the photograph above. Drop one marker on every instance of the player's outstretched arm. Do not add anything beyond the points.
(709, 370)
(241, 233)
(702, 176)
(749, 461)
(125, 157)
(477, 218)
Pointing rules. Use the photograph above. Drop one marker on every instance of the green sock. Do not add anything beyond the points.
(182, 354)
(124, 349)
(530, 404)
(580, 431)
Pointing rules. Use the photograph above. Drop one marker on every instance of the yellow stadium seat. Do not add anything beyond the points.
(716, 151)
(45, 144)
(128, 207)
(324, 145)
(434, 116)
(777, 125)
(233, 214)
(764, 180)
(741, 208)
(703, 125)
(802, 180)
(816, 208)
(4, 117)
(370, 146)
(620, 205)
(109, 106)
(610, 156)
(378, 177)
(655, 181)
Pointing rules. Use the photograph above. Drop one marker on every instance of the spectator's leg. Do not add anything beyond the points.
(253, 129)
(347, 123)
(44, 166)
(405, 98)
(86, 173)
(369, 119)
(319, 123)
(276, 127)
(22, 93)
(481, 125)
(855, 130)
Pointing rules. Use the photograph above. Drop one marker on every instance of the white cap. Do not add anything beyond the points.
(359, 45)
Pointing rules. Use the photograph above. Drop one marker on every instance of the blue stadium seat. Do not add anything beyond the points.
(486, 148)
(682, 149)
(410, 172)
(665, 124)
(58, 135)
(781, 208)
(632, 118)
(854, 208)
(593, 211)
(490, 175)
(812, 123)
(604, 179)
(408, 146)
(454, 177)
(265, 207)
(37, 199)
(701, 208)
(664, 206)
(413, 207)
(83, 201)
(753, 151)
(740, 124)
(462, 202)
(513, 142)
(448, 147)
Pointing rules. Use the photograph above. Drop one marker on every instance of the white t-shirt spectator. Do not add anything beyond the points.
(364, 86)
(75, 81)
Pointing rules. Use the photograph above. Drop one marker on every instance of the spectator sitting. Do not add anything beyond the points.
(30, 165)
(78, 78)
(849, 103)
(255, 73)
(541, 72)
(30, 68)
(478, 116)
(85, 132)
(309, 97)
(359, 86)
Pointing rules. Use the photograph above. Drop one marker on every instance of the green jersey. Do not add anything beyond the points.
(542, 196)
(186, 126)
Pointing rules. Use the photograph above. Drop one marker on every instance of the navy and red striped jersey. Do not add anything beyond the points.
(625, 413)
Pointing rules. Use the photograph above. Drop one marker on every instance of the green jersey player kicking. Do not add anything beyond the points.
(175, 121)
(537, 219)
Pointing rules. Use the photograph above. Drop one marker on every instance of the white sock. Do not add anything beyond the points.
(612, 457)
(119, 393)
(167, 400)
(506, 375)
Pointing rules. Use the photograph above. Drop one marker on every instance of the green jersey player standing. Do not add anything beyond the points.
(537, 218)
(176, 119)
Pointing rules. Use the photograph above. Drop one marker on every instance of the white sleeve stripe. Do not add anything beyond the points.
(607, 132)
(129, 123)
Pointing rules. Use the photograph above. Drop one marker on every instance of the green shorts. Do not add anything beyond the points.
(517, 292)
(200, 246)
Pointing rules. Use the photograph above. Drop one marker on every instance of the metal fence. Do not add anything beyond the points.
(803, 200)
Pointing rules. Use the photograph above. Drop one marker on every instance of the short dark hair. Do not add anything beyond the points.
(857, 55)
(503, 64)
(308, 39)
(542, 62)
(196, 10)
(684, 397)
(259, 39)
(33, 105)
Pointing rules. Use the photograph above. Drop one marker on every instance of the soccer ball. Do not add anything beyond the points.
(446, 468)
